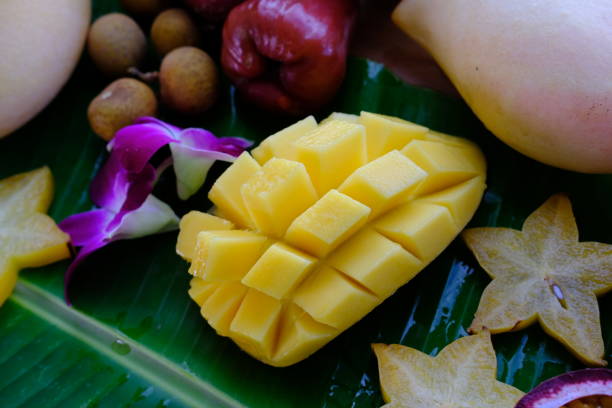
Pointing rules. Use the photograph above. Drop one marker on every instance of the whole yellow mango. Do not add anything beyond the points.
(40, 44)
(538, 74)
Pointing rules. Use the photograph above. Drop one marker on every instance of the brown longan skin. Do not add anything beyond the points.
(172, 29)
(188, 81)
(116, 43)
(118, 105)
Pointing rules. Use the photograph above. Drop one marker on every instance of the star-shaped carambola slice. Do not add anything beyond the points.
(543, 273)
(28, 237)
(462, 375)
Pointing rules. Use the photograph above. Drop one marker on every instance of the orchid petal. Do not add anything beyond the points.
(140, 186)
(205, 140)
(136, 144)
(191, 169)
(233, 145)
(173, 130)
(153, 217)
(116, 189)
(110, 186)
(87, 227)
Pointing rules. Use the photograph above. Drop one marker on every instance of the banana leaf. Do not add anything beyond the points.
(134, 338)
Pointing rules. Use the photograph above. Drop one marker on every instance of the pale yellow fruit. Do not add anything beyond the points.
(40, 44)
(538, 74)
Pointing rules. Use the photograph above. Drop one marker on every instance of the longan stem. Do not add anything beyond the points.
(148, 77)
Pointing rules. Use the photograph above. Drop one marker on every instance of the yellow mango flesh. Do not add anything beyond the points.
(193, 223)
(279, 270)
(326, 224)
(28, 237)
(331, 153)
(267, 193)
(226, 192)
(280, 144)
(335, 218)
(386, 133)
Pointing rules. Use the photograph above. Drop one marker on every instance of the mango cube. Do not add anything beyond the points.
(460, 199)
(255, 323)
(470, 150)
(300, 336)
(423, 229)
(332, 152)
(445, 165)
(226, 194)
(382, 274)
(216, 258)
(193, 223)
(383, 182)
(332, 220)
(386, 133)
(200, 290)
(334, 300)
(327, 223)
(347, 117)
(221, 306)
(267, 193)
(280, 144)
(279, 270)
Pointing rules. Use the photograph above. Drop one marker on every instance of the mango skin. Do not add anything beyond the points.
(40, 44)
(539, 76)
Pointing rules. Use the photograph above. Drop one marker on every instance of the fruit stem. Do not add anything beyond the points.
(148, 77)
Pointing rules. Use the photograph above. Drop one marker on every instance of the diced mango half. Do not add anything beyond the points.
(226, 255)
(267, 193)
(386, 133)
(383, 182)
(334, 219)
(226, 192)
(332, 152)
(326, 224)
(191, 225)
(280, 144)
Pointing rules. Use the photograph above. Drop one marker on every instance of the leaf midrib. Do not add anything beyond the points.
(140, 360)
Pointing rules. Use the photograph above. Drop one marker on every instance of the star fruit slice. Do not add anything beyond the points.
(543, 273)
(28, 237)
(462, 375)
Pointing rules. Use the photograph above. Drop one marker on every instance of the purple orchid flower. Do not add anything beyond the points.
(122, 189)
(193, 150)
(128, 210)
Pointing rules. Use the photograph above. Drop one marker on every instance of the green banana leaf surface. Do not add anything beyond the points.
(134, 338)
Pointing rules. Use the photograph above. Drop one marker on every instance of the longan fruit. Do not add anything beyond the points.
(118, 105)
(188, 80)
(172, 29)
(115, 43)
